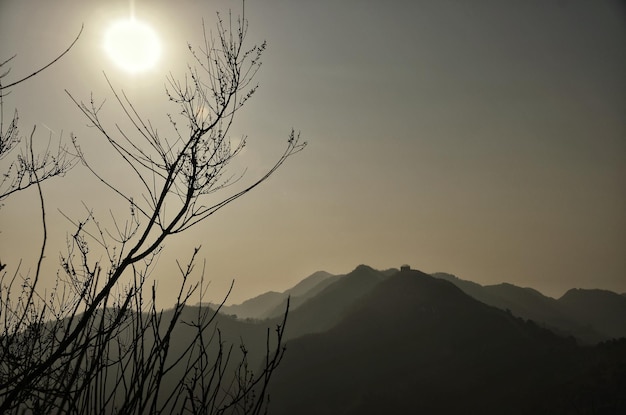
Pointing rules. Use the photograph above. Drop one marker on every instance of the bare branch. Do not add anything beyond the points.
(36, 72)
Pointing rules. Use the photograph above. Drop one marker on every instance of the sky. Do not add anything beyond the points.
(485, 139)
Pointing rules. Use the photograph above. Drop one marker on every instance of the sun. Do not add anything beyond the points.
(132, 45)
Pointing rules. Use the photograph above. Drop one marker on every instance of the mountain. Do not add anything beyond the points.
(404, 342)
(372, 342)
(300, 293)
(417, 344)
(254, 307)
(563, 316)
(308, 284)
(601, 309)
(325, 309)
(532, 305)
(273, 304)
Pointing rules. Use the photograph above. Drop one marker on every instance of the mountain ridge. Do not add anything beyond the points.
(524, 302)
(418, 344)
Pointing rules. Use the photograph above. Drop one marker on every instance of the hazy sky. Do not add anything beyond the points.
(481, 138)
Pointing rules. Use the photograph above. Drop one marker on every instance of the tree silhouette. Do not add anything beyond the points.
(97, 343)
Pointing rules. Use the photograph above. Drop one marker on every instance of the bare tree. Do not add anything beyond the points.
(98, 343)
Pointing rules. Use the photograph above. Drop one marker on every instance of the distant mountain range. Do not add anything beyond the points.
(591, 316)
(402, 341)
(414, 343)
(373, 342)
(273, 304)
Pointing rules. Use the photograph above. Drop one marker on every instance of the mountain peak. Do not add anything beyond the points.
(309, 282)
(363, 268)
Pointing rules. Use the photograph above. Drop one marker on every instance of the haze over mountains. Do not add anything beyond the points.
(371, 342)
(378, 342)
(374, 342)
(413, 343)
(590, 316)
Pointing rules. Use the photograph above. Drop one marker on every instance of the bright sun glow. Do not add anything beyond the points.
(132, 45)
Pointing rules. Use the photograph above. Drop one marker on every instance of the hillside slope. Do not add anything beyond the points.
(417, 344)
(530, 304)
